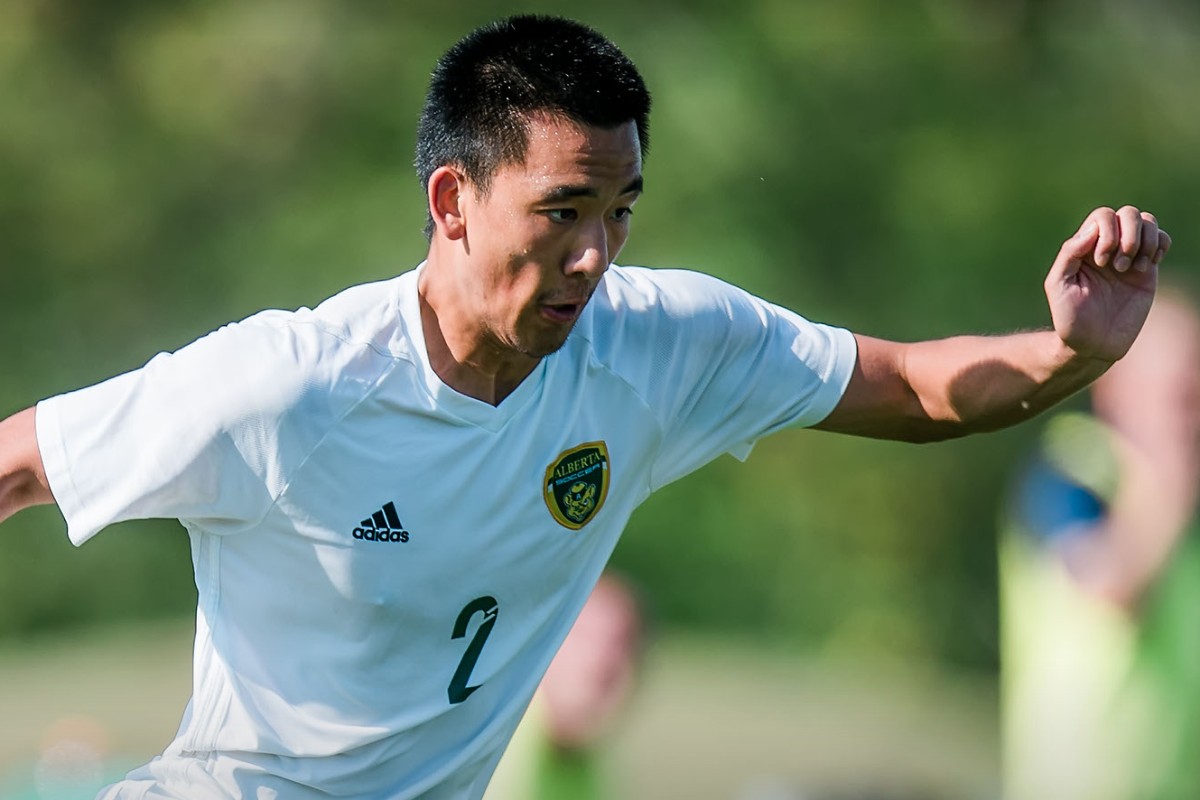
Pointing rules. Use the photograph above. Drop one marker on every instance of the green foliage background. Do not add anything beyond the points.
(905, 169)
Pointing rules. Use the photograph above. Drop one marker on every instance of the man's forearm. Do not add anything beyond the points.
(22, 477)
(968, 384)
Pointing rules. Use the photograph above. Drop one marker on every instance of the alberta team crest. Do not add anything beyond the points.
(577, 483)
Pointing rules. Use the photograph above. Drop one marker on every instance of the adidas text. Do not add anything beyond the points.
(382, 526)
(372, 535)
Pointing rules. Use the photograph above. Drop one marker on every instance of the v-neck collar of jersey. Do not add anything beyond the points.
(448, 399)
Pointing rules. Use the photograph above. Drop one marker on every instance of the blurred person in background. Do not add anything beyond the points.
(557, 751)
(74, 759)
(399, 501)
(1100, 576)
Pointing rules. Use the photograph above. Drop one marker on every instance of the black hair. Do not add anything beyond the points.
(485, 88)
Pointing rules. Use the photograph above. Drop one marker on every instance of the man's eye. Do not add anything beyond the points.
(562, 214)
(622, 213)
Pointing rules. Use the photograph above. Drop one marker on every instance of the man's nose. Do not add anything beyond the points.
(590, 255)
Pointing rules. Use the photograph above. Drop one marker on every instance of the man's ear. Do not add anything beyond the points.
(446, 187)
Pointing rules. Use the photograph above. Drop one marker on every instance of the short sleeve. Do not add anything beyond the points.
(200, 434)
(725, 368)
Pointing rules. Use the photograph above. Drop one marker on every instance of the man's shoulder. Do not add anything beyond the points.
(640, 316)
(668, 289)
(637, 304)
(363, 315)
(357, 319)
(281, 356)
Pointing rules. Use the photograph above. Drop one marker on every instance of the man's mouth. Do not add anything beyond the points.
(562, 312)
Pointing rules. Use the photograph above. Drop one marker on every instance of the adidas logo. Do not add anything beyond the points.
(382, 526)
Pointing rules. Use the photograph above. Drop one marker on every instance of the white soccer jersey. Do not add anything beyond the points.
(385, 567)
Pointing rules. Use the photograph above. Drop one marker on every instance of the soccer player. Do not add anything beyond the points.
(398, 501)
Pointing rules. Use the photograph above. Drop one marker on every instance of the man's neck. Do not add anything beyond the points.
(464, 359)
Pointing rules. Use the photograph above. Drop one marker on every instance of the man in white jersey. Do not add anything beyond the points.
(373, 617)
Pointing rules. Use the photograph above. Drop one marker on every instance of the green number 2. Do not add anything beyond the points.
(458, 690)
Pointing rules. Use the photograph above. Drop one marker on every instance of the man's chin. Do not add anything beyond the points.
(545, 345)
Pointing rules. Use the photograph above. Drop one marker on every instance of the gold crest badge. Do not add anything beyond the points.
(576, 484)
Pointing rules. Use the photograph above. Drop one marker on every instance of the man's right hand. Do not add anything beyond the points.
(22, 477)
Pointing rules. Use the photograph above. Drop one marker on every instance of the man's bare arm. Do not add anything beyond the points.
(935, 390)
(22, 478)
(1099, 290)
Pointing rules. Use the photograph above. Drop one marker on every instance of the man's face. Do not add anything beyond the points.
(540, 240)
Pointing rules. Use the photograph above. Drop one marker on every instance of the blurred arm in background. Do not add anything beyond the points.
(1151, 402)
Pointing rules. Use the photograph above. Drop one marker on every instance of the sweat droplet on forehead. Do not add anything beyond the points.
(556, 144)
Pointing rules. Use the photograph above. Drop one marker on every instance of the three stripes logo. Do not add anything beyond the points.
(382, 526)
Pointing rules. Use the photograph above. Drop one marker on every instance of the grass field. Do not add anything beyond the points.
(711, 721)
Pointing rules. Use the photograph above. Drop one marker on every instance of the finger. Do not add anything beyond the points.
(1164, 244)
(1129, 223)
(1071, 254)
(1088, 230)
(1085, 238)
(1143, 259)
(1109, 235)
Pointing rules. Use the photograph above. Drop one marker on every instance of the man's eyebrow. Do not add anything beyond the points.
(568, 192)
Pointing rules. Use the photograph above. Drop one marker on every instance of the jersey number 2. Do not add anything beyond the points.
(458, 690)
